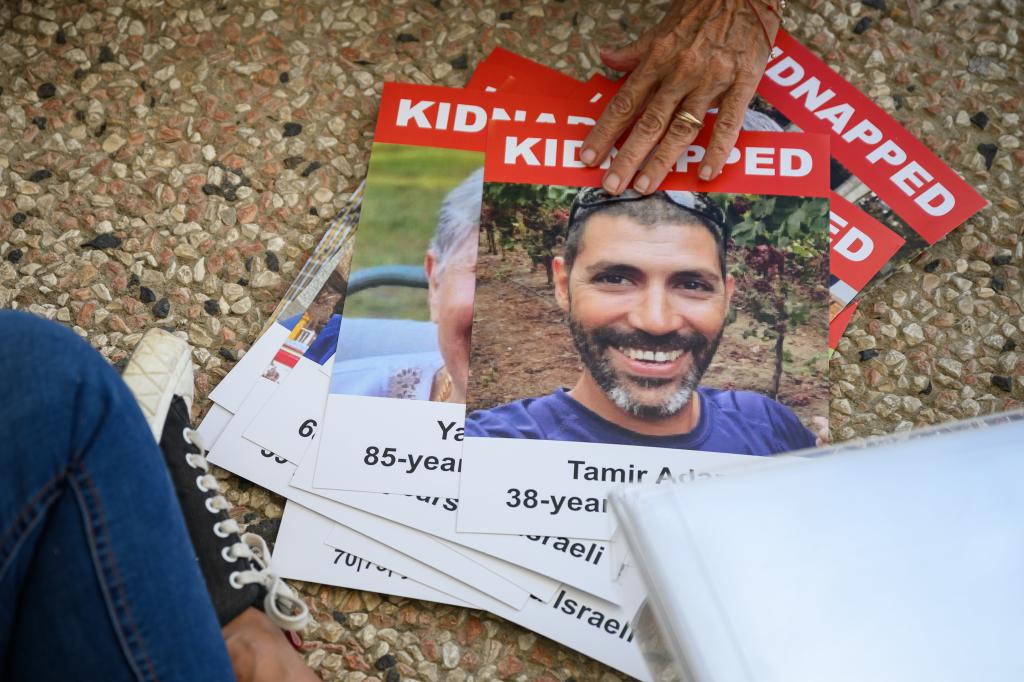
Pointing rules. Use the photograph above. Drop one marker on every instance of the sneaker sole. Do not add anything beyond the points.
(159, 369)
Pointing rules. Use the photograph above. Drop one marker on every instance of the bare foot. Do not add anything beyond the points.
(260, 652)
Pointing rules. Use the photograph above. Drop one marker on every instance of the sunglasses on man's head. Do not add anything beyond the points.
(590, 198)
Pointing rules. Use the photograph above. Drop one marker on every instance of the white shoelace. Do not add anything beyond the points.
(282, 605)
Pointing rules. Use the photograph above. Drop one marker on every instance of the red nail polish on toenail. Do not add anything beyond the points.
(293, 639)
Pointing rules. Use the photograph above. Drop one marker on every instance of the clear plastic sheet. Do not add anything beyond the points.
(898, 558)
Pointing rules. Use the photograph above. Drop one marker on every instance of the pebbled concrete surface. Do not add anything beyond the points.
(173, 163)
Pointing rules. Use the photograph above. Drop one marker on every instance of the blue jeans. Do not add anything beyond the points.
(98, 579)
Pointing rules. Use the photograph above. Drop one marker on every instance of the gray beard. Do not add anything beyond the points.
(669, 407)
(593, 353)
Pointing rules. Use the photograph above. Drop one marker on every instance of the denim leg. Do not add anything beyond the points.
(98, 578)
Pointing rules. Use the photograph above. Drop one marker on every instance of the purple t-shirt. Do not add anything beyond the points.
(738, 422)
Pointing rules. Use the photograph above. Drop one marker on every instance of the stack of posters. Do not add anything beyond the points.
(485, 343)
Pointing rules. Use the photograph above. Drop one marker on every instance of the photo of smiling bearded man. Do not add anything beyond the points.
(646, 292)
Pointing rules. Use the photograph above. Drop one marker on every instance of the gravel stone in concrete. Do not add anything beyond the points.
(194, 150)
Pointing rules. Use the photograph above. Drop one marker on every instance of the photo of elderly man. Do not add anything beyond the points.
(646, 290)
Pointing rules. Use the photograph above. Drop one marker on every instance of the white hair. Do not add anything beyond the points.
(755, 120)
(459, 218)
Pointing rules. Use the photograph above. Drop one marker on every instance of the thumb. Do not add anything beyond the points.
(625, 58)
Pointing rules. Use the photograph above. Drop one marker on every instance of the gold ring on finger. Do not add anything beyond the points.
(687, 117)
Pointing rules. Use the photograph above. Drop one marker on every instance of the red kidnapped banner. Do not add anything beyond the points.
(860, 244)
(914, 182)
(453, 118)
(793, 164)
(920, 188)
(493, 71)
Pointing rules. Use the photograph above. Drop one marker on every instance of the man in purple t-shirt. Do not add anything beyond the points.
(644, 283)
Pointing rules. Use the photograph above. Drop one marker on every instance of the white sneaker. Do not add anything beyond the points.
(235, 566)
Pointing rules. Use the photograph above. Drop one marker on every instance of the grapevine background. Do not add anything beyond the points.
(775, 340)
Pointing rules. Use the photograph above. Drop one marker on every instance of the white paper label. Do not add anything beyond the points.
(497, 582)
(290, 419)
(561, 488)
(230, 439)
(213, 424)
(584, 564)
(589, 625)
(390, 445)
(301, 554)
(577, 620)
(274, 473)
(232, 390)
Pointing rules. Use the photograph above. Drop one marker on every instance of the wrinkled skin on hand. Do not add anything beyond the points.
(702, 54)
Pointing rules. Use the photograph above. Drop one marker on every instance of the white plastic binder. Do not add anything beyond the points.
(894, 560)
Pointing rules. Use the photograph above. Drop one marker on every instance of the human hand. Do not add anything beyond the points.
(702, 54)
(259, 651)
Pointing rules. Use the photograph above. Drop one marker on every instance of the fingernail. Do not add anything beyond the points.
(705, 173)
(611, 183)
(642, 183)
(588, 156)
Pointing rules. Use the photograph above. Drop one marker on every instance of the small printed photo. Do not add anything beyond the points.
(767, 117)
(680, 319)
(409, 307)
(763, 116)
(840, 294)
(313, 331)
(914, 245)
(851, 188)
